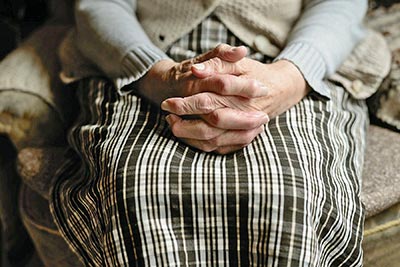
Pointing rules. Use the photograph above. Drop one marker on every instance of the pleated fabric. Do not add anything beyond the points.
(131, 194)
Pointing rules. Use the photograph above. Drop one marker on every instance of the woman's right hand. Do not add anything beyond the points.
(224, 121)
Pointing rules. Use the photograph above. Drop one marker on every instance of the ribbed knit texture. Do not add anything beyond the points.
(135, 64)
(247, 19)
(310, 63)
(124, 38)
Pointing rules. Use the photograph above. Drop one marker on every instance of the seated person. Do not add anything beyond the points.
(210, 135)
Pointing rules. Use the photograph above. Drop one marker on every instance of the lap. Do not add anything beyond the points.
(137, 194)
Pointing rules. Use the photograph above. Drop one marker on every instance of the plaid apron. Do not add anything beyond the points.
(131, 194)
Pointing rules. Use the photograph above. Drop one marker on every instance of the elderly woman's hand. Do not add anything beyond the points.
(281, 86)
(225, 124)
(168, 78)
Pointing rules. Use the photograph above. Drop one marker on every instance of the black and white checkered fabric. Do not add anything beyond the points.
(133, 195)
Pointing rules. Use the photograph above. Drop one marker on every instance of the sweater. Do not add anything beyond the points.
(122, 39)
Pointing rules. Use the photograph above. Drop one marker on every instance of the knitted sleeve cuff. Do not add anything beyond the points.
(135, 64)
(310, 63)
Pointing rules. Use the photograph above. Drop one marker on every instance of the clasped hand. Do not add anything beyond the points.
(230, 97)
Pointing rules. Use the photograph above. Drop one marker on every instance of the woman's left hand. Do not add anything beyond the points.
(225, 125)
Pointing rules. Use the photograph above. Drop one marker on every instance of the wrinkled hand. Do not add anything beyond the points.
(219, 128)
(280, 86)
(168, 78)
(226, 125)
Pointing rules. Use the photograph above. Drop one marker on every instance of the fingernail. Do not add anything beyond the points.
(165, 106)
(199, 66)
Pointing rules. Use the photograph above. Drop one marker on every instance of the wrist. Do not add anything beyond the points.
(154, 84)
(291, 71)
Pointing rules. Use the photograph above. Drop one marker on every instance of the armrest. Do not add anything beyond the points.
(34, 106)
(37, 167)
(381, 174)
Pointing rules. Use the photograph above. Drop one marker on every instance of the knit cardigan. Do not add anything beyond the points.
(122, 39)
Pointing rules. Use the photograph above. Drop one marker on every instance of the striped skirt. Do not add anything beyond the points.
(131, 194)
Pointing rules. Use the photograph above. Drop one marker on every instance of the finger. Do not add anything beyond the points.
(205, 103)
(192, 105)
(216, 123)
(215, 66)
(225, 84)
(233, 119)
(226, 141)
(223, 51)
(199, 104)
(192, 129)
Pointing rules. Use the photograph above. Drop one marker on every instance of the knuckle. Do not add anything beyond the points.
(206, 133)
(214, 118)
(189, 106)
(215, 63)
(222, 85)
(253, 88)
(172, 75)
(184, 66)
(204, 103)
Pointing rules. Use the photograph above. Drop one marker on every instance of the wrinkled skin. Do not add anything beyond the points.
(230, 97)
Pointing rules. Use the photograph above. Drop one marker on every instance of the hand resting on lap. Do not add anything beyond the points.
(232, 96)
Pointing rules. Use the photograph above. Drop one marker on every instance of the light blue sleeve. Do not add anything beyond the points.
(111, 37)
(323, 37)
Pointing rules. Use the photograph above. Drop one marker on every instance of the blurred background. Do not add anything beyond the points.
(17, 19)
